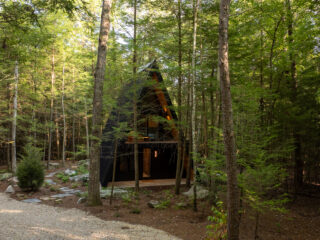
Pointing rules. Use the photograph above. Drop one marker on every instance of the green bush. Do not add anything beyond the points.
(30, 171)
(218, 227)
(163, 204)
(63, 177)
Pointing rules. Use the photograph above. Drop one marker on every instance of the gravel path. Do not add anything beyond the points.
(28, 221)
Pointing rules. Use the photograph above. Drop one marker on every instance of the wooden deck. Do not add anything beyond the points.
(149, 183)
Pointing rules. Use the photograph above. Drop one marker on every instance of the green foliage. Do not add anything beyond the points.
(82, 169)
(126, 198)
(261, 180)
(30, 170)
(63, 177)
(84, 194)
(218, 228)
(181, 205)
(168, 194)
(74, 185)
(135, 211)
(163, 204)
(268, 106)
(116, 214)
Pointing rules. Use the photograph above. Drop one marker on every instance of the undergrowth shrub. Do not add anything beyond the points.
(218, 229)
(30, 170)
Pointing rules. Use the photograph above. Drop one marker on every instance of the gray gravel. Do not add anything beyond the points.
(28, 221)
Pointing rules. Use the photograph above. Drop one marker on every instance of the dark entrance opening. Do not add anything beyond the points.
(156, 161)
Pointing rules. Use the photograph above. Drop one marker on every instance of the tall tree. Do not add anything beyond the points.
(53, 76)
(298, 162)
(196, 5)
(64, 118)
(14, 120)
(179, 160)
(228, 133)
(97, 117)
(135, 107)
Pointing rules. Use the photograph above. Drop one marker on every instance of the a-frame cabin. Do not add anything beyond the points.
(158, 135)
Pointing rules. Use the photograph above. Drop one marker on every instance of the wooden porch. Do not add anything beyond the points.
(149, 183)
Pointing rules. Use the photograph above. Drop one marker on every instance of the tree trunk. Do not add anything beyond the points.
(256, 229)
(87, 129)
(9, 126)
(74, 120)
(64, 120)
(34, 124)
(228, 133)
(57, 133)
(298, 174)
(51, 109)
(193, 90)
(115, 153)
(271, 51)
(189, 129)
(14, 120)
(97, 116)
(179, 160)
(135, 110)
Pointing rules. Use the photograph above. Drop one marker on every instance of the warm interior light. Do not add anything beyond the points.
(165, 109)
(156, 154)
(168, 117)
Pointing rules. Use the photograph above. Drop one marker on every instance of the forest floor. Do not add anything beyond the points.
(176, 216)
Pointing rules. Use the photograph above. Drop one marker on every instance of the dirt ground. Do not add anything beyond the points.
(300, 222)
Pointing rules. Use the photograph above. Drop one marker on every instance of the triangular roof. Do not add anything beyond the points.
(123, 113)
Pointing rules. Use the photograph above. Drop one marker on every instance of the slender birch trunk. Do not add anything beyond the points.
(14, 119)
(135, 107)
(34, 125)
(56, 120)
(64, 120)
(228, 133)
(193, 90)
(51, 108)
(74, 120)
(97, 115)
(9, 125)
(87, 128)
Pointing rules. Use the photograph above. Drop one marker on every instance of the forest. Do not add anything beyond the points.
(243, 77)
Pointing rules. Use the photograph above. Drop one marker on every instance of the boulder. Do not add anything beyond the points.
(153, 203)
(13, 180)
(182, 205)
(53, 165)
(46, 198)
(83, 177)
(50, 175)
(69, 190)
(81, 200)
(50, 182)
(31, 200)
(201, 192)
(5, 176)
(9, 190)
(70, 172)
(20, 195)
(117, 192)
(62, 195)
